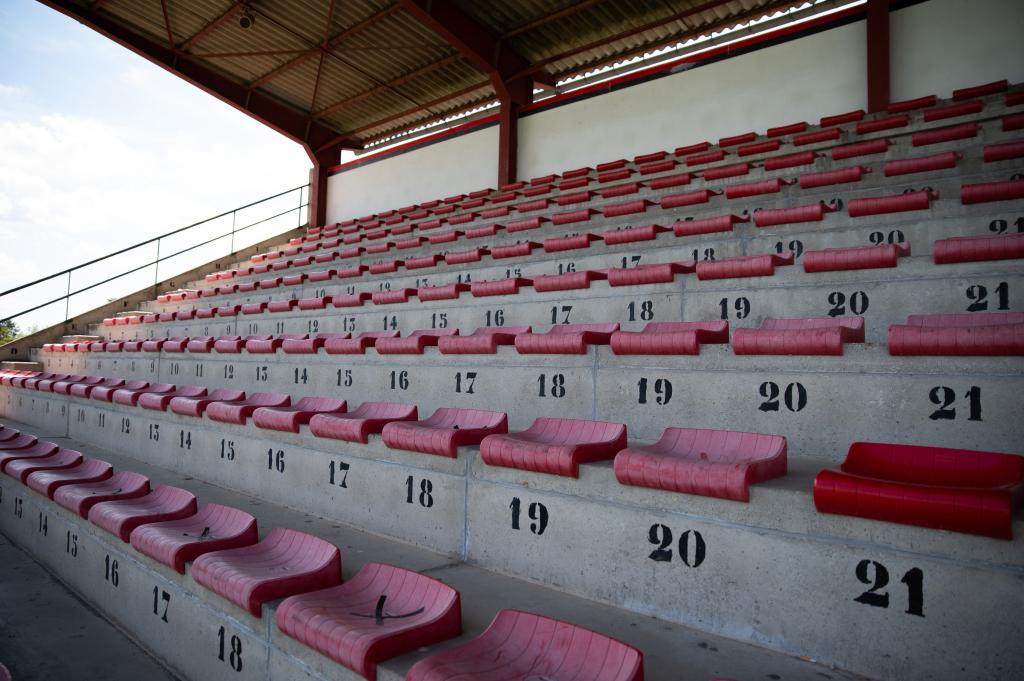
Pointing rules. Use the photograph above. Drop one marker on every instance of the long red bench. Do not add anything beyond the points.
(971, 334)
(289, 418)
(444, 431)
(809, 336)
(88, 470)
(959, 490)
(669, 338)
(213, 528)
(358, 424)
(855, 257)
(164, 503)
(20, 469)
(978, 248)
(82, 496)
(555, 446)
(196, 406)
(711, 463)
(36, 450)
(564, 339)
(238, 410)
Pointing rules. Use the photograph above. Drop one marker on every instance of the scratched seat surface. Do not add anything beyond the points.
(711, 463)
(358, 424)
(285, 563)
(213, 528)
(80, 497)
(20, 469)
(36, 450)
(444, 431)
(522, 646)
(290, 418)
(120, 517)
(555, 446)
(973, 334)
(382, 612)
(49, 481)
(960, 490)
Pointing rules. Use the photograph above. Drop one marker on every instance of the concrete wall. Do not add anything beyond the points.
(937, 46)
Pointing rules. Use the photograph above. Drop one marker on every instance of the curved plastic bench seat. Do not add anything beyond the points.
(200, 344)
(740, 191)
(164, 503)
(310, 345)
(233, 345)
(565, 339)
(358, 424)
(130, 397)
(81, 497)
(828, 178)
(268, 346)
(19, 441)
(950, 134)
(49, 481)
(414, 343)
(570, 281)
(555, 446)
(20, 469)
(237, 411)
(35, 451)
(444, 431)
(103, 393)
(985, 192)
(290, 418)
(810, 336)
(770, 217)
(8, 433)
(964, 335)
(160, 401)
(632, 234)
(499, 287)
(381, 613)
(710, 463)
(959, 490)
(896, 203)
(357, 345)
(213, 528)
(195, 406)
(855, 258)
(871, 147)
(1004, 152)
(921, 164)
(743, 266)
(670, 338)
(483, 341)
(84, 390)
(64, 387)
(978, 248)
(46, 385)
(661, 273)
(522, 646)
(285, 563)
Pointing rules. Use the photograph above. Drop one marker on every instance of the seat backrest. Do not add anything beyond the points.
(966, 320)
(934, 465)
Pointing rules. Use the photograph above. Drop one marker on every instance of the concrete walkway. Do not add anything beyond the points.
(47, 633)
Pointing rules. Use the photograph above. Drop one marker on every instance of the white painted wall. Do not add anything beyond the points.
(937, 46)
(941, 45)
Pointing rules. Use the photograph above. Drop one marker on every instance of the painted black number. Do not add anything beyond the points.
(465, 384)
(261, 374)
(44, 523)
(894, 236)
(71, 544)
(344, 377)
(560, 312)
(110, 570)
(944, 397)
(399, 380)
(185, 439)
(426, 498)
(876, 576)
(692, 549)
(439, 320)
(857, 302)
(234, 654)
(795, 246)
(161, 596)
(339, 473)
(301, 376)
(1000, 226)
(495, 318)
(154, 432)
(794, 397)
(227, 450)
(979, 294)
(536, 511)
(660, 387)
(557, 385)
(741, 307)
(644, 311)
(275, 460)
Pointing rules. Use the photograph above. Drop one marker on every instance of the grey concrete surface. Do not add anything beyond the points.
(47, 632)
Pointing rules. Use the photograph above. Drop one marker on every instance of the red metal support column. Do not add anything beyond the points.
(508, 142)
(323, 160)
(878, 55)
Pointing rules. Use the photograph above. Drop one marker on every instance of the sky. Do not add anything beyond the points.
(100, 149)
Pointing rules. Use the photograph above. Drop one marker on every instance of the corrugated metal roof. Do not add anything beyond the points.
(369, 69)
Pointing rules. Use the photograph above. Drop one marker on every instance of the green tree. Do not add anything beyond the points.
(8, 331)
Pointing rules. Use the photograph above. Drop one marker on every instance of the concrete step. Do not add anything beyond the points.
(187, 634)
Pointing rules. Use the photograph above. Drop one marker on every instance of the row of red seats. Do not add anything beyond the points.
(745, 144)
(973, 334)
(309, 253)
(382, 612)
(952, 489)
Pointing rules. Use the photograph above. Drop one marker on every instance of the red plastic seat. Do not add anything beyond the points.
(213, 528)
(103, 393)
(815, 212)
(483, 341)
(831, 177)
(267, 346)
(84, 390)
(310, 345)
(164, 503)
(357, 425)
(80, 497)
(64, 387)
(290, 418)
(896, 203)
(879, 146)
(855, 257)
(414, 343)
(285, 563)
(382, 612)
(810, 336)
(710, 463)
(985, 192)
(965, 335)
(20, 469)
(953, 132)
(195, 406)
(660, 273)
(1004, 152)
(233, 344)
(959, 490)
(632, 234)
(357, 345)
(49, 481)
(237, 411)
(522, 646)
(130, 397)
(743, 266)
(555, 446)
(569, 281)
(444, 431)
(978, 248)
(954, 110)
(670, 338)
(741, 191)
(200, 344)
(35, 451)
(160, 400)
(565, 339)
(19, 441)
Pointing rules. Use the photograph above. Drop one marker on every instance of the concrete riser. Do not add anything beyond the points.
(773, 572)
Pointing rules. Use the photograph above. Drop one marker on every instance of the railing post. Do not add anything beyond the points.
(156, 273)
(300, 207)
(234, 215)
(67, 300)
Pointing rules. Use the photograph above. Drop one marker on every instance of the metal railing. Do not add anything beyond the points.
(303, 202)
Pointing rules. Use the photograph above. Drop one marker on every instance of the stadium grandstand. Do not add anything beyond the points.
(616, 340)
